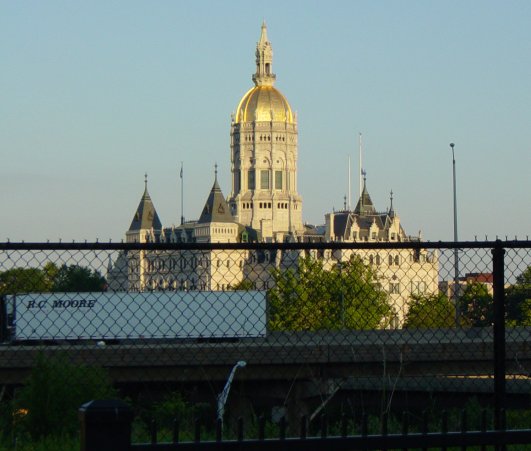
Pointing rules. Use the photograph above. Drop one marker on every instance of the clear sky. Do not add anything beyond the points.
(95, 94)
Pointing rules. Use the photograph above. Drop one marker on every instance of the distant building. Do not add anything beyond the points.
(264, 205)
(401, 272)
(264, 140)
(448, 287)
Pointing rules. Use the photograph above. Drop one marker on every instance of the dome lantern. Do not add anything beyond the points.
(264, 75)
(263, 102)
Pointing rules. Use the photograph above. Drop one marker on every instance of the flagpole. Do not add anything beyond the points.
(361, 167)
(349, 185)
(182, 195)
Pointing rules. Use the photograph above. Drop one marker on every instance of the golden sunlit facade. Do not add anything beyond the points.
(264, 103)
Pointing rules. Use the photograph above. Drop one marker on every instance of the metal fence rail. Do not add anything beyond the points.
(101, 431)
(322, 327)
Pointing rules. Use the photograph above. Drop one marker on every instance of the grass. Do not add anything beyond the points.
(44, 444)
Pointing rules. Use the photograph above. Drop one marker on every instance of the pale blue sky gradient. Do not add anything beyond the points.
(94, 94)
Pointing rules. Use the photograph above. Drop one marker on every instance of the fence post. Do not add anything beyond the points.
(498, 268)
(105, 425)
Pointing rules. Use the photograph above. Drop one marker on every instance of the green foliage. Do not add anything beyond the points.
(433, 311)
(49, 401)
(175, 407)
(65, 443)
(347, 296)
(24, 280)
(244, 285)
(477, 308)
(51, 278)
(524, 279)
(78, 278)
(518, 300)
(476, 305)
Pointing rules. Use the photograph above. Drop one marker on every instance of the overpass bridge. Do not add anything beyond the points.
(452, 354)
(300, 372)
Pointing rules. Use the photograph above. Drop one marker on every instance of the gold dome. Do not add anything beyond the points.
(264, 103)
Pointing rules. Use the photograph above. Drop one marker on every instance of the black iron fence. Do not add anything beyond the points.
(273, 330)
(107, 426)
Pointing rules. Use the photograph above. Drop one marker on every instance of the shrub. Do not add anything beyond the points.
(48, 404)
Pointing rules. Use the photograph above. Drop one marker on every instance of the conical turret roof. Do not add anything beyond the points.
(216, 208)
(365, 205)
(146, 216)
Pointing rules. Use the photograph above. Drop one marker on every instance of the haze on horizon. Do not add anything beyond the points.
(96, 94)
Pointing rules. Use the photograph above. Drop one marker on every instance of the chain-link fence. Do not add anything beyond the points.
(301, 328)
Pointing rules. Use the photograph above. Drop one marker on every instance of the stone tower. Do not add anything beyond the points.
(264, 156)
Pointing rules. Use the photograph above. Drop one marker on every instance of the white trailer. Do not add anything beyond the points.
(129, 315)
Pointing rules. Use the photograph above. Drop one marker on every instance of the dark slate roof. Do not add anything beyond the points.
(253, 235)
(146, 216)
(341, 220)
(187, 228)
(365, 205)
(216, 208)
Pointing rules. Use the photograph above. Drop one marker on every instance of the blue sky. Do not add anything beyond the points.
(95, 94)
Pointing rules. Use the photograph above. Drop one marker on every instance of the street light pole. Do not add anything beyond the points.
(222, 397)
(456, 251)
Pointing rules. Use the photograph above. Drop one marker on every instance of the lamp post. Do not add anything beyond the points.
(456, 251)
(222, 397)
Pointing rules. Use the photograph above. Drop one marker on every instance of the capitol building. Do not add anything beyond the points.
(265, 206)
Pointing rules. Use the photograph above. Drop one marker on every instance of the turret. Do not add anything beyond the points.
(146, 225)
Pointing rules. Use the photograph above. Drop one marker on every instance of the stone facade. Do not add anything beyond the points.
(264, 156)
(264, 206)
(401, 272)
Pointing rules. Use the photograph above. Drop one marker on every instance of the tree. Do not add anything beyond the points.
(79, 279)
(24, 280)
(51, 278)
(518, 300)
(476, 305)
(310, 297)
(243, 285)
(433, 311)
(49, 400)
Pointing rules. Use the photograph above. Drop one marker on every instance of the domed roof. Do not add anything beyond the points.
(264, 103)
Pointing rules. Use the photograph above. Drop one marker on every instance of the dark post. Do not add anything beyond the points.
(3, 319)
(499, 332)
(105, 425)
(457, 287)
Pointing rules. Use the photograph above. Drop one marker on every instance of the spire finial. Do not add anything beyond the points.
(264, 75)
(216, 171)
(345, 203)
(391, 208)
(145, 179)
